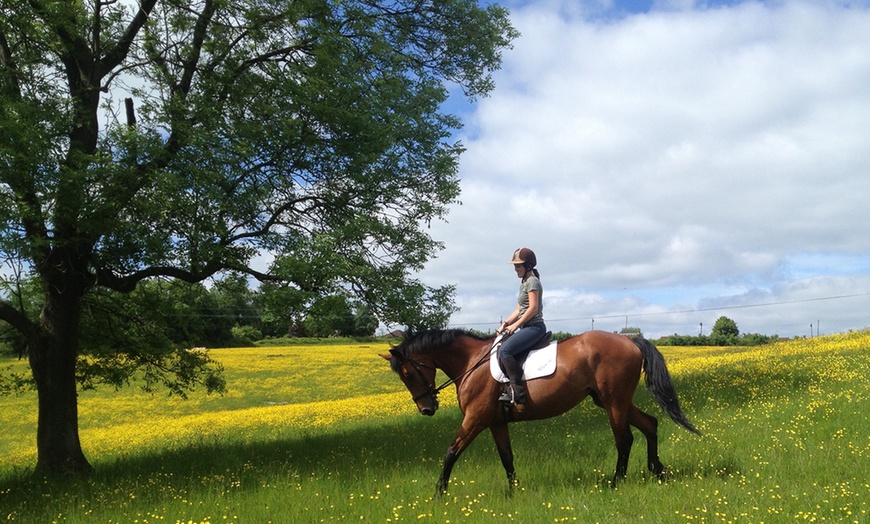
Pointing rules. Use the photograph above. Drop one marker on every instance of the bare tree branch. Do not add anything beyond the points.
(119, 52)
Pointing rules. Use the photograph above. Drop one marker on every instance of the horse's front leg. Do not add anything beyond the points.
(467, 433)
(503, 443)
(444, 479)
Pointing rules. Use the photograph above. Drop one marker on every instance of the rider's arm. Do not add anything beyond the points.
(534, 304)
(510, 319)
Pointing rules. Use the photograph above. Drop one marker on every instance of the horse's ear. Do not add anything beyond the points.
(396, 353)
(385, 357)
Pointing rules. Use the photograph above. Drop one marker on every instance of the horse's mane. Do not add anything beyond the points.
(431, 340)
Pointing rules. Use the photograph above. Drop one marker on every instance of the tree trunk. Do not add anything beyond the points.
(53, 361)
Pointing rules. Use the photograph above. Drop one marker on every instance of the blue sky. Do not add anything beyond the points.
(665, 160)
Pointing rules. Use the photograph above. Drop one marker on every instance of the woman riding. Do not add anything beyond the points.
(525, 325)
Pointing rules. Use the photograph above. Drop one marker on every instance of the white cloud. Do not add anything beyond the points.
(666, 160)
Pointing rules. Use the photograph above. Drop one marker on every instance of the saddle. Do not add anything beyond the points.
(540, 360)
(543, 342)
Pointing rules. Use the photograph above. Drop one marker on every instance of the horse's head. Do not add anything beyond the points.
(418, 375)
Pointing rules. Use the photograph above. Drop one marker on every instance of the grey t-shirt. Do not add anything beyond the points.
(532, 283)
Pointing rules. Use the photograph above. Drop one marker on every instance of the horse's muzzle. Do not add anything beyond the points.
(430, 409)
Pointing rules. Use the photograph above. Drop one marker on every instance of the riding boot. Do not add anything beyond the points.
(514, 371)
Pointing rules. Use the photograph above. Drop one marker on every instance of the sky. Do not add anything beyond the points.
(670, 163)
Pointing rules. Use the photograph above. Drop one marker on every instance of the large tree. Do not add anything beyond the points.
(301, 141)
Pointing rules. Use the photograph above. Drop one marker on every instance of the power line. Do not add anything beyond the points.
(700, 310)
(697, 310)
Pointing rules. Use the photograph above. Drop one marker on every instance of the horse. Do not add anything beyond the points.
(604, 366)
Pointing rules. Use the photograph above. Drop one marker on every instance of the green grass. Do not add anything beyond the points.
(786, 439)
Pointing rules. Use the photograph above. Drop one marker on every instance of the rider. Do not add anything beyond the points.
(527, 322)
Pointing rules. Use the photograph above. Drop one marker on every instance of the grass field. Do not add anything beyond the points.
(328, 434)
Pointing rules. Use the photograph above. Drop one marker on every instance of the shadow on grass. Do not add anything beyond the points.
(304, 455)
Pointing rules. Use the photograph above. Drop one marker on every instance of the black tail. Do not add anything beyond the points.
(659, 383)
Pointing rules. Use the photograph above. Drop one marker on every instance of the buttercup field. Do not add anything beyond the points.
(327, 433)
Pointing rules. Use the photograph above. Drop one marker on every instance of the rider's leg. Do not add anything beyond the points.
(514, 371)
(515, 346)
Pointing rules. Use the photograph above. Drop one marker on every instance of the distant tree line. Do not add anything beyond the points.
(225, 313)
(724, 333)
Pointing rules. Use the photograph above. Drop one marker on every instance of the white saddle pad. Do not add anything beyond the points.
(539, 362)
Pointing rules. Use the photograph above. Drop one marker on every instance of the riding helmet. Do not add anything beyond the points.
(524, 256)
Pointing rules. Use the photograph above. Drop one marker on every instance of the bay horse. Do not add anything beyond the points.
(604, 366)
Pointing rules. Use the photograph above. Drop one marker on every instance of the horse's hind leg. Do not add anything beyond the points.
(623, 437)
(648, 425)
(503, 443)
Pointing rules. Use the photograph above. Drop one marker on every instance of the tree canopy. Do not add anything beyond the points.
(725, 328)
(298, 142)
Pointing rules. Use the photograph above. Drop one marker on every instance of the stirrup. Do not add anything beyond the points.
(509, 396)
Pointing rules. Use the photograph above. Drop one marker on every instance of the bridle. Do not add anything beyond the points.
(431, 389)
